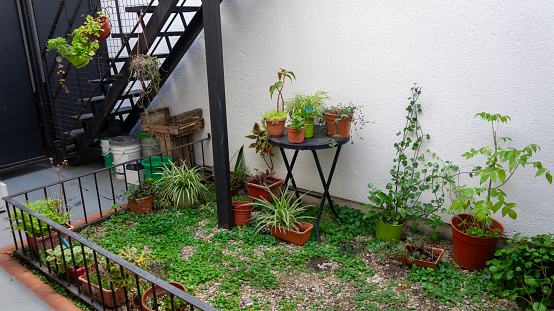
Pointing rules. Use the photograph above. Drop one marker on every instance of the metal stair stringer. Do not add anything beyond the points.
(152, 29)
(180, 48)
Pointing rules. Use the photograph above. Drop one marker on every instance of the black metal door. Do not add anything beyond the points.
(21, 137)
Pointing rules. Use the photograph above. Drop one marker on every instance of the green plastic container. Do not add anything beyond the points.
(388, 232)
(309, 131)
(108, 161)
(153, 166)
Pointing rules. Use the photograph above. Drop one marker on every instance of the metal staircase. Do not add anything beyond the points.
(105, 90)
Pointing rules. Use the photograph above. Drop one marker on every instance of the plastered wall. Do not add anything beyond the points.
(468, 57)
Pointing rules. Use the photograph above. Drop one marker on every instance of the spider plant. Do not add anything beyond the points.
(283, 212)
(180, 184)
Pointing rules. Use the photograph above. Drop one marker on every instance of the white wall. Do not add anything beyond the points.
(468, 57)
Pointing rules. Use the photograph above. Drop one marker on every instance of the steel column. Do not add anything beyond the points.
(218, 115)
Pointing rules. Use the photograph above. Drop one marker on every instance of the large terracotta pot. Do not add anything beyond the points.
(106, 30)
(142, 205)
(340, 129)
(275, 128)
(257, 192)
(242, 210)
(296, 237)
(108, 295)
(471, 252)
(159, 292)
(294, 136)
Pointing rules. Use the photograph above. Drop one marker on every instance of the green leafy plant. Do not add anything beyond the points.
(500, 165)
(274, 115)
(263, 148)
(524, 271)
(283, 213)
(297, 121)
(50, 208)
(278, 86)
(82, 45)
(311, 105)
(261, 178)
(59, 254)
(94, 25)
(411, 175)
(180, 184)
(143, 190)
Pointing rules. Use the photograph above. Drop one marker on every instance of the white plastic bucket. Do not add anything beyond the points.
(105, 144)
(124, 148)
(149, 147)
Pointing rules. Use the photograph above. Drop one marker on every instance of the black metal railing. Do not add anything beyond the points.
(106, 280)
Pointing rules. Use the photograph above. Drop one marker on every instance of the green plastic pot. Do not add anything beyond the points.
(309, 131)
(153, 166)
(77, 61)
(388, 232)
(142, 135)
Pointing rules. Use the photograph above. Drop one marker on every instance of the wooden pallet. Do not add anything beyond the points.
(174, 132)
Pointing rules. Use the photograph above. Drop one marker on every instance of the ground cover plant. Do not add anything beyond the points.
(345, 272)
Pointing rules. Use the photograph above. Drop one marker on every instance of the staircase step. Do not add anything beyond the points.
(133, 35)
(74, 133)
(126, 95)
(125, 58)
(182, 9)
(108, 80)
(87, 116)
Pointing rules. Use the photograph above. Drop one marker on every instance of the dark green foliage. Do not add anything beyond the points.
(524, 271)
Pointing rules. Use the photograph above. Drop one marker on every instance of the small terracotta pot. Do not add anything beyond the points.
(341, 129)
(106, 30)
(159, 292)
(71, 272)
(49, 243)
(296, 237)
(294, 136)
(471, 252)
(107, 294)
(142, 205)
(423, 263)
(257, 192)
(275, 128)
(242, 210)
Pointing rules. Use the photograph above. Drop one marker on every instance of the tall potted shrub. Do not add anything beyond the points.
(275, 119)
(411, 175)
(475, 232)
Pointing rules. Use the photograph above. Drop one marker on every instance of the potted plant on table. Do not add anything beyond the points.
(140, 198)
(275, 119)
(263, 185)
(475, 232)
(309, 107)
(283, 216)
(411, 175)
(296, 128)
(181, 184)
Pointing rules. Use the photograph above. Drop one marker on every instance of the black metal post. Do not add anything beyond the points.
(218, 115)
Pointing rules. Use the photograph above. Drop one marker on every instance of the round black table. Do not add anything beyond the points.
(318, 142)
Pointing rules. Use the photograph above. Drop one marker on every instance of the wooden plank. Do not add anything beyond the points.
(176, 130)
(156, 116)
(185, 116)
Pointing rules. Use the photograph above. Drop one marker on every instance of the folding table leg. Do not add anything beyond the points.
(289, 170)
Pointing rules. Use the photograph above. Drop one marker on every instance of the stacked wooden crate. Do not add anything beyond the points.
(174, 131)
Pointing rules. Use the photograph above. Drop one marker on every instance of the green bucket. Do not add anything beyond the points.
(309, 131)
(142, 135)
(388, 232)
(153, 166)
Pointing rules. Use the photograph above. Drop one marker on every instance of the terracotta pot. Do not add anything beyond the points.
(242, 210)
(49, 243)
(142, 205)
(422, 263)
(105, 32)
(159, 292)
(71, 272)
(108, 295)
(294, 136)
(341, 129)
(275, 128)
(296, 237)
(257, 192)
(471, 252)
